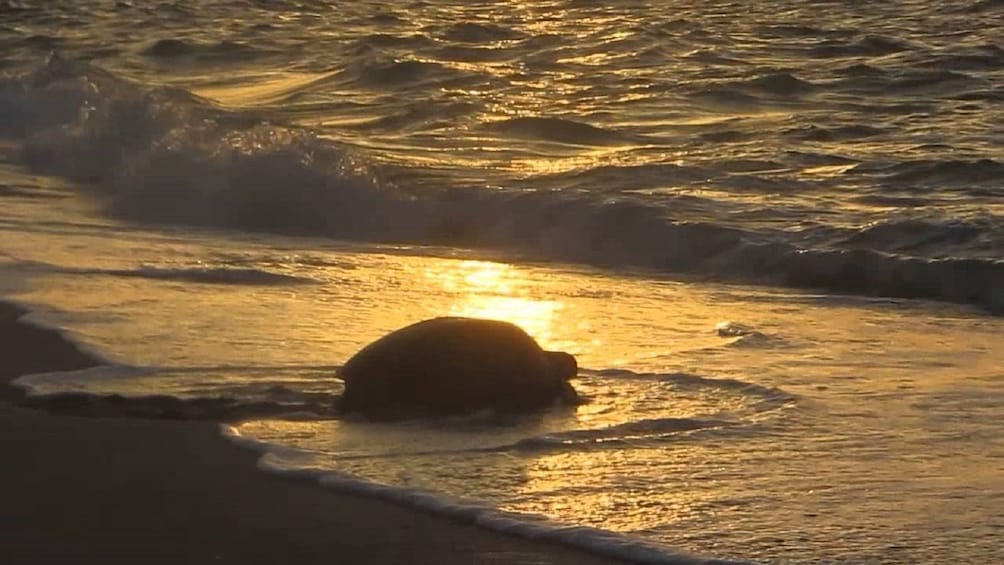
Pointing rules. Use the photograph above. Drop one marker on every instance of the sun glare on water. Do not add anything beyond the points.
(497, 291)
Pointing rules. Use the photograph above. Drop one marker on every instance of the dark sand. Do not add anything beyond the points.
(116, 490)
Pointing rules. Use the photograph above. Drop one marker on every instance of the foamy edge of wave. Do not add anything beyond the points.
(33, 317)
(33, 384)
(164, 156)
(202, 275)
(593, 540)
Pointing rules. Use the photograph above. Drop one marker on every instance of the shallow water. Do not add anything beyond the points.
(810, 428)
(231, 205)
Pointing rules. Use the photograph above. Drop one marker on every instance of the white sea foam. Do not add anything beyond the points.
(41, 384)
(594, 540)
(35, 316)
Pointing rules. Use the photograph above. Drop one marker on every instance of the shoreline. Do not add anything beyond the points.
(124, 490)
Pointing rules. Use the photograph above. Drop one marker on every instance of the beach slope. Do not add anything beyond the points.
(115, 490)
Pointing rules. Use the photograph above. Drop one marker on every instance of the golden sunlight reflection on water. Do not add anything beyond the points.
(497, 291)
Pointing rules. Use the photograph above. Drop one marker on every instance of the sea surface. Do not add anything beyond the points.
(771, 232)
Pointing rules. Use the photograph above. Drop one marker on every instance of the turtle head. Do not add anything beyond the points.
(563, 365)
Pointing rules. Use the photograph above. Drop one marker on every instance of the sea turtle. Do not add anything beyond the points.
(454, 365)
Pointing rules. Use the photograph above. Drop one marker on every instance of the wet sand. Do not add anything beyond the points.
(124, 490)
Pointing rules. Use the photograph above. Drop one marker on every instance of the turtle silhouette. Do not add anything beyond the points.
(452, 365)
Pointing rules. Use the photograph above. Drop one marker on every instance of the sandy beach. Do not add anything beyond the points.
(117, 490)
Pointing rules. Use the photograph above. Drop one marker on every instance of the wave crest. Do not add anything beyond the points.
(166, 156)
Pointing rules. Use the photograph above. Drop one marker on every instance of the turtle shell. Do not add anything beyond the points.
(452, 365)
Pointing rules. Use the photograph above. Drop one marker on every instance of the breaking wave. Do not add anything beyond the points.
(166, 156)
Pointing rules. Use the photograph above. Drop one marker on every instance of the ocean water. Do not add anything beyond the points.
(771, 232)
